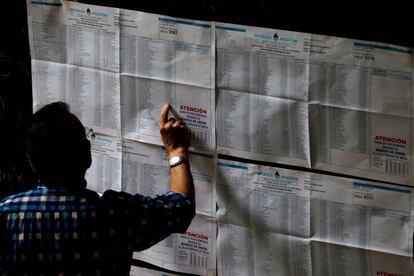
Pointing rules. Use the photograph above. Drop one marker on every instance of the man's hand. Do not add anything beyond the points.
(174, 134)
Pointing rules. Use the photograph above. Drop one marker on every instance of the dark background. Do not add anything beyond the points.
(15, 95)
(389, 22)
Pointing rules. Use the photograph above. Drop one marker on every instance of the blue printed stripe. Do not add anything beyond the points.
(46, 4)
(382, 188)
(232, 166)
(382, 47)
(169, 20)
(231, 29)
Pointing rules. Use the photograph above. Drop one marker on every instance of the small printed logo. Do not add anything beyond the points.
(275, 37)
(277, 175)
(182, 255)
(88, 11)
(377, 162)
(183, 252)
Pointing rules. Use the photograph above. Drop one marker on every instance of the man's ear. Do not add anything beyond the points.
(85, 155)
(88, 155)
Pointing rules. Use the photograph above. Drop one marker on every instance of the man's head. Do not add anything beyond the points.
(56, 146)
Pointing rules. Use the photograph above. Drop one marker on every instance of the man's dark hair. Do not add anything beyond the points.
(55, 145)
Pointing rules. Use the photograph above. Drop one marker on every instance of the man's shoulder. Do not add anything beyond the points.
(45, 195)
(18, 197)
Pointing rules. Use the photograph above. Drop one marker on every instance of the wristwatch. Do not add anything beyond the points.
(177, 160)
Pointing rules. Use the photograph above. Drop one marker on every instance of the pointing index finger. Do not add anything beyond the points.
(174, 113)
(164, 115)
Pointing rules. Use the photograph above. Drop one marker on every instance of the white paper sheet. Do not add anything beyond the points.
(275, 221)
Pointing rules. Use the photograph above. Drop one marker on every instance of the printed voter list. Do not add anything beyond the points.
(312, 101)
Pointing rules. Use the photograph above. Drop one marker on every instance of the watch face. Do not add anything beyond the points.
(174, 160)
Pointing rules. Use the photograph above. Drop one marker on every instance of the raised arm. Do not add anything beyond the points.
(142, 221)
(176, 138)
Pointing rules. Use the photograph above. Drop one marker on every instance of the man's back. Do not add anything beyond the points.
(75, 232)
(51, 230)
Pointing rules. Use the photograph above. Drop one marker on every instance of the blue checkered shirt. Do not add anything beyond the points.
(58, 231)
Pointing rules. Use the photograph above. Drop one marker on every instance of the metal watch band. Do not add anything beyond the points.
(177, 160)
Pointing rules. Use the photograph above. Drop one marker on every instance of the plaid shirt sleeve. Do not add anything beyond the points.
(137, 222)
